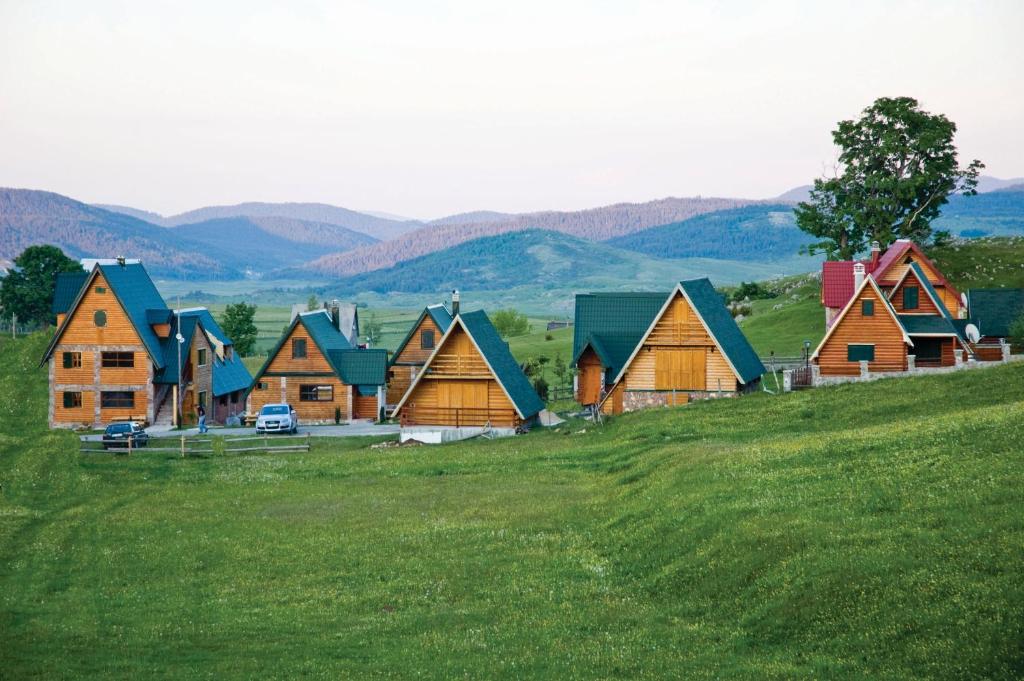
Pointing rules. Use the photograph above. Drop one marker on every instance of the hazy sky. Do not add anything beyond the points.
(430, 108)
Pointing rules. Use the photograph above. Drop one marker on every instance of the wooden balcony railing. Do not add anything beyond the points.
(457, 365)
(417, 415)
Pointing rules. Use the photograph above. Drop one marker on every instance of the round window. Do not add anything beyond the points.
(100, 318)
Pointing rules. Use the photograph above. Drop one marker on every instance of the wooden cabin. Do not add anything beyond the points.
(316, 370)
(114, 355)
(414, 350)
(993, 311)
(639, 350)
(470, 379)
(838, 281)
(888, 328)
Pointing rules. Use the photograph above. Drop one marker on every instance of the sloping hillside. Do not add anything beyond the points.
(762, 232)
(29, 217)
(545, 259)
(996, 213)
(840, 533)
(595, 224)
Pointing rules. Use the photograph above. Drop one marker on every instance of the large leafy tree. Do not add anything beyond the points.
(897, 167)
(27, 290)
(239, 324)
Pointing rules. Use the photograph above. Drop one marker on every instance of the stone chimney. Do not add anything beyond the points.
(455, 303)
(858, 276)
(120, 260)
(876, 253)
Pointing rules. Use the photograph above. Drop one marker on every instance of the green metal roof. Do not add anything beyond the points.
(613, 324)
(361, 367)
(137, 293)
(230, 375)
(441, 316)
(709, 305)
(169, 349)
(917, 324)
(66, 291)
(995, 309)
(930, 290)
(506, 369)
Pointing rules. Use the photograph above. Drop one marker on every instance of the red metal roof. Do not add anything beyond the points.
(837, 275)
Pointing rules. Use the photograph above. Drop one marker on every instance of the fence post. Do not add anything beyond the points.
(130, 438)
(183, 446)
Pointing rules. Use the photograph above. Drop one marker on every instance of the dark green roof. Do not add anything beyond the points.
(930, 290)
(506, 369)
(228, 374)
(321, 328)
(613, 324)
(66, 291)
(995, 309)
(917, 324)
(441, 316)
(711, 308)
(169, 349)
(360, 367)
(137, 293)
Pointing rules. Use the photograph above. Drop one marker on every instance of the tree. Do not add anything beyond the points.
(560, 369)
(312, 303)
(27, 290)
(898, 166)
(509, 323)
(372, 329)
(1017, 332)
(239, 324)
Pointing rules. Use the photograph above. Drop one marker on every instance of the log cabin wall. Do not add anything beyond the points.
(924, 301)
(413, 352)
(87, 378)
(591, 378)
(949, 299)
(202, 376)
(363, 406)
(879, 329)
(399, 379)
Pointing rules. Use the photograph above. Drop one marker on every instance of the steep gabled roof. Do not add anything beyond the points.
(137, 295)
(869, 280)
(169, 348)
(613, 322)
(361, 367)
(209, 323)
(995, 309)
(707, 304)
(498, 358)
(66, 291)
(922, 279)
(229, 374)
(440, 316)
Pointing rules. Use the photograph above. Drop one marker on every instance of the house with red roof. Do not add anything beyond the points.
(839, 282)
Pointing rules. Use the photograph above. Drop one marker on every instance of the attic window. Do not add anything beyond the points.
(910, 298)
(427, 340)
(867, 308)
(101, 290)
(201, 359)
(299, 348)
(100, 318)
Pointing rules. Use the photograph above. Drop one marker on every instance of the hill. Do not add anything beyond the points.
(29, 217)
(986, 183)
(995, 213)
(595, 224)
(840, 533)
(548, 260)
(762, 232)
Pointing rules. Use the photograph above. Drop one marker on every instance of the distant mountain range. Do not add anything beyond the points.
(986, 183)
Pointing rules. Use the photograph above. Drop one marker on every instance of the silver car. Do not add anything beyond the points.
(277, 418)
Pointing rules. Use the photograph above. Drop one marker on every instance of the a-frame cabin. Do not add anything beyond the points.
(414, 350)
(691, 348)
(470, 379)
(316, 370)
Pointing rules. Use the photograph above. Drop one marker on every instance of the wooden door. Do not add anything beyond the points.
(680, 369)
(463, 402)
(591, 380)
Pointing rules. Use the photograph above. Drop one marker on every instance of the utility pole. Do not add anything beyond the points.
(180, 340)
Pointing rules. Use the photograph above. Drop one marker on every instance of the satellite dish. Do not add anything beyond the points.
(973, 334)
(963, 300)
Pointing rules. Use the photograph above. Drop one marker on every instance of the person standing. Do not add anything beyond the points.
(201, 412)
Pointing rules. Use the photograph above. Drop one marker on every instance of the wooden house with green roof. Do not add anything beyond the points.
(636, 350)
(470, 380)
(315, 369)
(412, 353)
(114, 356)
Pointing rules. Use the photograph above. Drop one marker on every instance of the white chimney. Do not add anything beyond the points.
(858, 276)
(455, 303)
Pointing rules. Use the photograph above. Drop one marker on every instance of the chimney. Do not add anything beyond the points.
(455, 303)
(120, 260)
(876, 252)
(858, 276)
(336, 314)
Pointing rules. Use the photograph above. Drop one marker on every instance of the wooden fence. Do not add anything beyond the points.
(199, 445)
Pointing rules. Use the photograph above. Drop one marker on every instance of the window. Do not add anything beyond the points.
(910, 298)
(858, 353)
(316, 393)
(101, 290)
(202, 399)
(72, 400)
(234, 397)
(201, 357)
(99, 318)
(115, 360)
(867, 308)
(299, 348)
(117, 400)
(261, 386)
(223, 400)
(427, 339)
(72, 360)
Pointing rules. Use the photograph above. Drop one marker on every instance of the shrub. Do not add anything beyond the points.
(1017, 333)
(541, 387)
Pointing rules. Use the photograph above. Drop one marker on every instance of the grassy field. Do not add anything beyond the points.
(870, 531)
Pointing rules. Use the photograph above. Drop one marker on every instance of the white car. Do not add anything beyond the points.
(277, 418)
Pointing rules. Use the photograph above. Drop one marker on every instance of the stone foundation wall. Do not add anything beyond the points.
(634, 400)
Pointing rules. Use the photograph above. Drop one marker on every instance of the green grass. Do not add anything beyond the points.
(982, 263)
(799, 317)
(868, 531)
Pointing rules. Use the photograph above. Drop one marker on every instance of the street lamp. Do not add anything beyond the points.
(807, 353)
(177, 395)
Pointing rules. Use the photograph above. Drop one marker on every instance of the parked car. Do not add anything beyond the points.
(277, 418)
(120, 434)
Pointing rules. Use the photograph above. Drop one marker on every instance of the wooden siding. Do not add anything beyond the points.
(880, 330)
(82, 330)
(363, 407)
(271, 395)
(412, 353)
(591, 378)
(613, 403)
(719, 374)
(313, 362)
(951, 301)
(85, 414)
(399, 382)
(458, 389)
(308, 412)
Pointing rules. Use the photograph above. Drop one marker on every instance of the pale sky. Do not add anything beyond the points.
(431, 108)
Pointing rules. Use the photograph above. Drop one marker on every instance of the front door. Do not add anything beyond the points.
(463, 402)
(680, 368)
(591, 381)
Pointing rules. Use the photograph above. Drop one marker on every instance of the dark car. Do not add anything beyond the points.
(120, 434)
